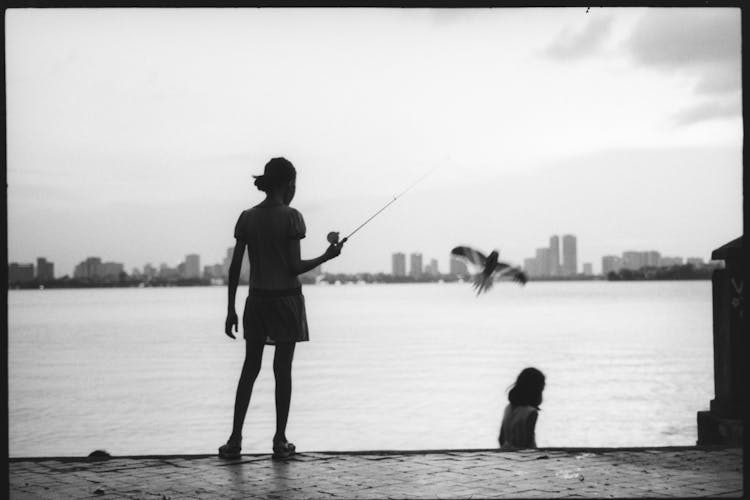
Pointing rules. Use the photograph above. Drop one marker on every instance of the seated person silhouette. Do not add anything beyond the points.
(519, 418)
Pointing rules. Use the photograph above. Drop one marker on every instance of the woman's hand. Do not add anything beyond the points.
(333, 250)
(231, 321)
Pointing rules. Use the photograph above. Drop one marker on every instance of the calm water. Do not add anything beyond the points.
(408, 366)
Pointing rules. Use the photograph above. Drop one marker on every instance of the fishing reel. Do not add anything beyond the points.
(333, 238)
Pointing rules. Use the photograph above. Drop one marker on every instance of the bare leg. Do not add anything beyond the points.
(250, 370)
(282, 370)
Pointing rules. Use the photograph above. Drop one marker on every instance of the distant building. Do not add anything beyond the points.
(432, 268)
(112, 269)
(588, 269)
(632, 260)
(651, 258)
(531, 267)
(458, 266)
(93, 268)
(695, 261)
(543, 262)
(215, 271)
(166, 272)
(20, 273)
(611, 264)
(415, 265)
(554, 255)
(635, 260)
(89, 268)
(45, 271)
(149, 271)
(398, 264)
(670, 261)
(569, 255)
(192, 266)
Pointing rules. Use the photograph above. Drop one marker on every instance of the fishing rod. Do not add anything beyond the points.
(333, 237)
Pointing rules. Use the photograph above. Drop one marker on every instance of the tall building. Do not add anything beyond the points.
(398, 264)
(432, 268)
(651, 258)
(569, 255)
(543, 262)
(45, 271)
(633, 260)
(415, 265)
(530, 267)
(554, 255)
(192, 266)
(588, 269)
(89, 268)
(458, 266)
(20, 273)
(611, 264)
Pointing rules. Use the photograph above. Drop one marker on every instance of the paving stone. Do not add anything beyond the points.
(650, 472)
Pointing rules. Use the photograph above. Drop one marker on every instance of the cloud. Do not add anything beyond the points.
(709, 110)
(682, 37)
(571, 45)
(701, 44)
(704, 42)
(725, 79)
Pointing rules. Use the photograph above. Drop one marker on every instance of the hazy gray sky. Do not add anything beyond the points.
(133, 133)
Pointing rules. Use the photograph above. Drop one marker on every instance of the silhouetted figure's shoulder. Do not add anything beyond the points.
(282, 220)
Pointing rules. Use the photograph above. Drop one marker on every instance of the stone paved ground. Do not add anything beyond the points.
(543, 473)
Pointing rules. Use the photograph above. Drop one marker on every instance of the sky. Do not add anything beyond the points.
(133, 134)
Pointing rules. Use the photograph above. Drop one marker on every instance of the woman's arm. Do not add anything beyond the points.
(234, 279)
(299, 266)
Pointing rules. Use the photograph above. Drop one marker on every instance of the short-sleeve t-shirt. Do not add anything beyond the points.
(267, 230)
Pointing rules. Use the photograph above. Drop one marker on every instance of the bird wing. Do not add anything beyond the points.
(520, 276)
(482, 283)
(474, 256)
(515, 273)
(500, 267)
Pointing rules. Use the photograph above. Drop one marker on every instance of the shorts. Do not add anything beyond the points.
(275, 316)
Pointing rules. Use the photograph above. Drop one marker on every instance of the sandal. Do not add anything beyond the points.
(230, 450)
(283, 450)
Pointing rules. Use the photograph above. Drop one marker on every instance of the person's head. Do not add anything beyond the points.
(527, 391)
(279, 177)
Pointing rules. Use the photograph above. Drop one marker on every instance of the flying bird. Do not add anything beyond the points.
(484, 279)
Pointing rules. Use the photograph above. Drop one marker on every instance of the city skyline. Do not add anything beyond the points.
(627, 259)
(622, 126)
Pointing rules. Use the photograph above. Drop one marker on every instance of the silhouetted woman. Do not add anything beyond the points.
(275, 308)
(519, 419)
